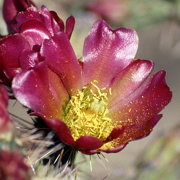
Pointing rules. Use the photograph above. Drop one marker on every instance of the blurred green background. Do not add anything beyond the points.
(158, 25)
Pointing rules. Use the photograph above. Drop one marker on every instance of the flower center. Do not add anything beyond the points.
(86, 113)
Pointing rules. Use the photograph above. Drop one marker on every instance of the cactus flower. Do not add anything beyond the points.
(100, 103)
(20, 50)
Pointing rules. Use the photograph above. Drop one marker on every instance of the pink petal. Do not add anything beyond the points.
(132, 132)
(145, 103)
(11, 8)
(138, 113)
(44, 16)
(47, 18)
(10, 73)
(107, 52)
(11, 48)
(70, 22)
(41, 90)
(28, 59)
(32, 13)
(85, 143)
(116, 132)
(35, 32)
(61, 58)
(128, 80)
(58, 20)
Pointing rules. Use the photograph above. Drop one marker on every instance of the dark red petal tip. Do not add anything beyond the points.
(148, 127)
(61, 130)
(88, 143)
(116, 132)
(115, 150)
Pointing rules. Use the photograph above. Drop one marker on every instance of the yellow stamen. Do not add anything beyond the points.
(86, 113)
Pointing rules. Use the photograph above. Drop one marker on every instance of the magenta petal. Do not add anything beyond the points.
(58, 20)
(106, 52)
(70, 22)
(131, 132)
(50, 23)
(139, 130)
(128, 80)
(144, 129)
(144, 103)
(116, 132)
(61, 59)
(35, 32)
(12, 72)
(10, 49)
(88, 143)
(138, 113)
(41, 90)
(31, 13)
(61, 130)
(28, 59)
(44, 16)
(11, 8)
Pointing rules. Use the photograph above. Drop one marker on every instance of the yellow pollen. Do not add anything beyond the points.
(86, 113)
